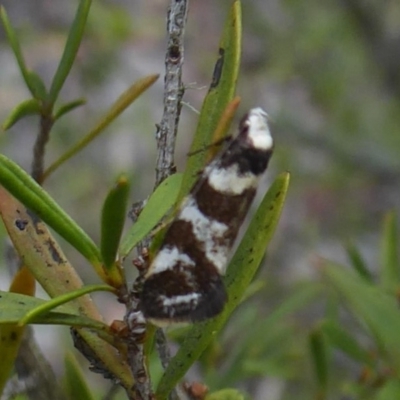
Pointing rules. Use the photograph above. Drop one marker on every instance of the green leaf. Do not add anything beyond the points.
(390, 272)
(254, 288)
(241, 271)
(31, 194)
(16, 48)
(44, 258)
(112, 221)
(320, 360)
(257, 350)
(160, 201)
(62, 299)
(332, 306)
(260, 351)
(357, 262)
(374, 307)
(221, 131)
(225, 394)
(38, 87)
(40, 253)
(27, 107)
(126, 98)
(14, 307)
(297, 300)
(75, 379)
(342, 340)
(71, 48)
(221, 92)
(66, 108)
(390, 391)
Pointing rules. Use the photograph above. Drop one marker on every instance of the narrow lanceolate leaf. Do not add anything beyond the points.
(37, 248)
(221, 131)
(75, 380)
(320, 361)
(15, 308)
(66, 108)
(371, 305)
(44, 258)
(220, 93)
(16, 48)
(272, 330)
(301, 297)
(358, 263)
(71, 48)
(344, 341)
(161, 200)
(126, 99)
(241, 271)
(38, 87)
(390, 261)
(10, 332)
(112, 223)
(44, 308)
(27, 107)
(225, 394)
(25, 189)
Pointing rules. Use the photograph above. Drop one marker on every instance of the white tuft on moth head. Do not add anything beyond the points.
(258, 133)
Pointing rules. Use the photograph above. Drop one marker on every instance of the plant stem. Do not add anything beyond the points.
(46, 123)
(173, 90)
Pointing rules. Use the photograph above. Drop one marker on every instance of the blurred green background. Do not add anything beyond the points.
(328, 74)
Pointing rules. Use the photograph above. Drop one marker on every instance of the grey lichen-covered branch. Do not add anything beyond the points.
(166, 135)
(173, 90)
(167, 130)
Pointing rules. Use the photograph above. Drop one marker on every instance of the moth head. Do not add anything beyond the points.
(254, 126)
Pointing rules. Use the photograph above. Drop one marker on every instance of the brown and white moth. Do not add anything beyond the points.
(184, 280)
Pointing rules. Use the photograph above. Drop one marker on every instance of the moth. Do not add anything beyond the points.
(184, 280)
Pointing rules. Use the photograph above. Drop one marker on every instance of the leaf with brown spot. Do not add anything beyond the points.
(37, 248)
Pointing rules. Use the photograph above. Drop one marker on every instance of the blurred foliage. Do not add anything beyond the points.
(329, 75)
(333, 69)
